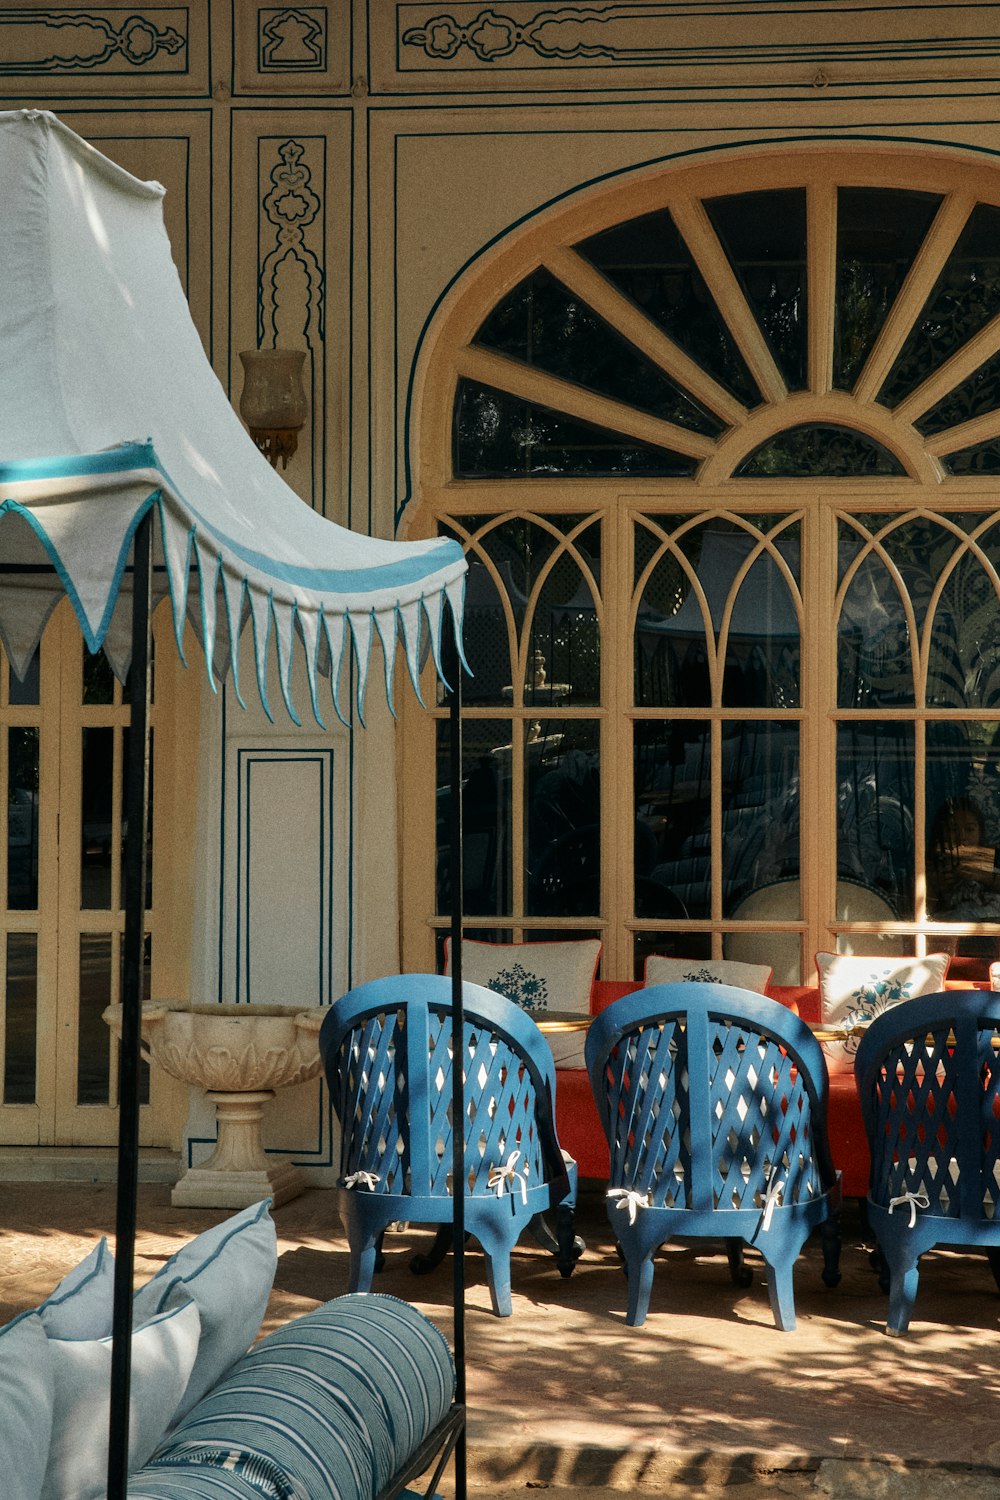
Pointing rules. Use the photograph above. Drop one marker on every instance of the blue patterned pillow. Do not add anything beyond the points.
(334, 1403)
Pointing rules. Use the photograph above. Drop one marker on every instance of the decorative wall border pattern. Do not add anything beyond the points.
(668, 35)
(56, 42)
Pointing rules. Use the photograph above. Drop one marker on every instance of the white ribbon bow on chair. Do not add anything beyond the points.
(631, 1199)
(507, 1175)
(369, 1180)
(772, 1198)
(915, 1200)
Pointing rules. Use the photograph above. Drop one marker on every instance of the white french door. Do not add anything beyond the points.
(63, 735)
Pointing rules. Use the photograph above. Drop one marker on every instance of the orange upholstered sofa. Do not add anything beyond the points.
(579, 1128)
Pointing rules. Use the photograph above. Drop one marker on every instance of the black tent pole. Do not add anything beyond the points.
(453, 675)
(136, 795)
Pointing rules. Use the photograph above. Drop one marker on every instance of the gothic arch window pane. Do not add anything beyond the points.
(964, 639)
(648, 260)
(500, 436)
(542, 324)
(965, 298)
(760, 808)
(564, 654)
(764, 236)
(563, 818)
(878, 235)
(818, 449)
(762, 648)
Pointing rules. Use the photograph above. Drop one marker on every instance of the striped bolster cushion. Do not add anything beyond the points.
(201, 1480)
(334, 1403)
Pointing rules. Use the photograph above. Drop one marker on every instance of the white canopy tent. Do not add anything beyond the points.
(117, 440)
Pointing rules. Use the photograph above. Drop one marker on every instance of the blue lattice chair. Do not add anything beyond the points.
(928, 1074)
(386, 1049)
(713, 1101)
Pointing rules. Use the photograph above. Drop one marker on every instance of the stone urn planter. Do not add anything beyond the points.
(241, 1055)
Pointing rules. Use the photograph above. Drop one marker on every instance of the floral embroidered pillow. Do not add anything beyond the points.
(544, 979)
(661, 970)
(854, 989)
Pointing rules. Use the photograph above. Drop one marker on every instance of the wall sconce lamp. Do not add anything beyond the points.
(273, 403)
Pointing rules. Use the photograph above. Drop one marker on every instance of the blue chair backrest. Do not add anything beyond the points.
(928, 1074)
(386, 1048)
(704, 1091)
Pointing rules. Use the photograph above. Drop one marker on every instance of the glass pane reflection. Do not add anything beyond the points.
(20, 1018)
(875, 791)
(563, 818)
(93, 1067)
(963, 831)
(672, 778)
(486, 817)
(22, 819)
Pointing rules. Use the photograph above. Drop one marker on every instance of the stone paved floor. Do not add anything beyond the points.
(708, 1400)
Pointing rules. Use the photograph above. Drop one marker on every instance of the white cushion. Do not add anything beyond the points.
(544, 979)
(228, 1271)
(854, 989)
(661, 970)
(164, 1351)
(26, 1398)
(81, 1307)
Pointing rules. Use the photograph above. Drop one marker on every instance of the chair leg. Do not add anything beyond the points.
(364, 1254)
(742, 1276)
(903, 1278)
(640, 1284)
(569, 1245)
(993, 1255)
(830, 1233)
(420, 1264)
(498, 1279)
(781, 1292)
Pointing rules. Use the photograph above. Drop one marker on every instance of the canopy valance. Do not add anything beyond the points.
(108, 408)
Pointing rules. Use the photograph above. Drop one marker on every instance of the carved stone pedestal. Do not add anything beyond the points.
(239, 1172)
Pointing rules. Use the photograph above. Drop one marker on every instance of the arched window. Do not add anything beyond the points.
(721, 461)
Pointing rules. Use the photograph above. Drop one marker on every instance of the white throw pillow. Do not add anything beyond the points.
(26, 1398)
(545, 979)
(661, 970)
(164, 1351)
(854, 989)
(81, 1307)
(228, 1271)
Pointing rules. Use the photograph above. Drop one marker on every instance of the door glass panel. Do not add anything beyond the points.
(563, 817)
(764, 236)
(878, 236)
(20, 1018)
(149, 819)
(98, 679)
(485, 638)
(564, 655)
(543, 324)
(25, 693)
(22, 819)
(670, 662)
(500, 436)
(93, 1080)
(976, 396)
(648, 260)
(875, 792)
(963, 830)
(486, 817)
(964, 299)
(672, 780)
(762, 649)
(760, 811)
(96, 814)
